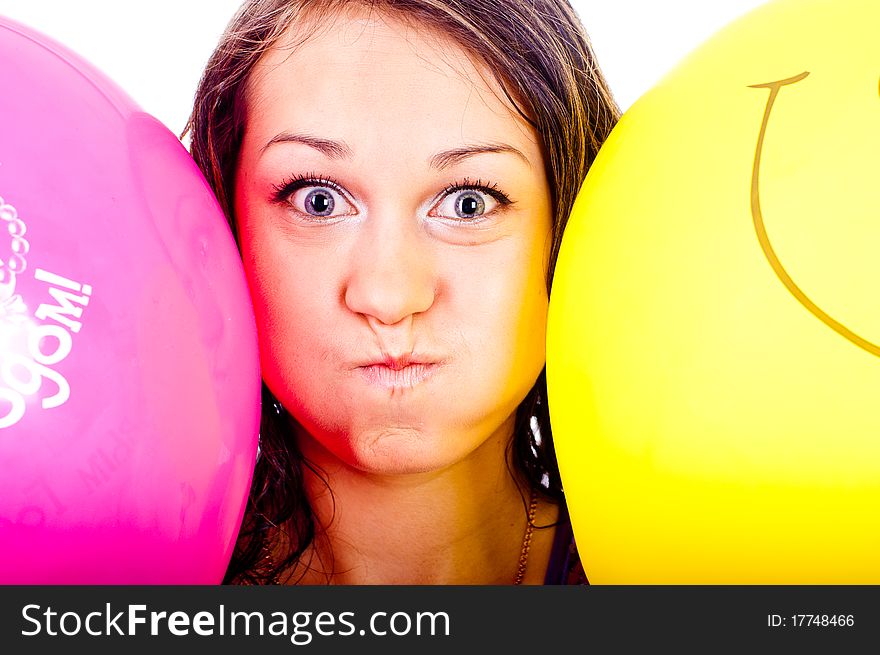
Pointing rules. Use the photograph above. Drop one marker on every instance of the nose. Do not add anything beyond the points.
(392, 274)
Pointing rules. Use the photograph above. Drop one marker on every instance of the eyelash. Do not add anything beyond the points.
(489, 188)
(291, 185)
(288, 187)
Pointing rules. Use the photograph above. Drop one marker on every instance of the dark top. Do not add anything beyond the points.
(565, 562)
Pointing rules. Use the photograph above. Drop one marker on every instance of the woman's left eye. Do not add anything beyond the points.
(465, 204)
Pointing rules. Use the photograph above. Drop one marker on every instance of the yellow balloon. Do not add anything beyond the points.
(713, 357)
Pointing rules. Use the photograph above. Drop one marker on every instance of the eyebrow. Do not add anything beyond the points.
(448, 158)
(445, 159)
(330, 148)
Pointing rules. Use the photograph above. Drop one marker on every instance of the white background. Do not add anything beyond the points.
(156, 49)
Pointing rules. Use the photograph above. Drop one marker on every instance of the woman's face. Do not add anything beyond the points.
(395, 220)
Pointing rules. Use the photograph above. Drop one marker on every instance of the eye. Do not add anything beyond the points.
(467, 202)
(315, 198)
(321, 202)
(464, 205)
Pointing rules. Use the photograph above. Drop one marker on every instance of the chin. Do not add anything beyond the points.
(398, 451)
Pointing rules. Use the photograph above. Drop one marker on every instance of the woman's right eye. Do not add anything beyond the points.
(316, 199)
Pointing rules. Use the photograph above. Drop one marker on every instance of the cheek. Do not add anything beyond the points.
(289, 303)
(528, 324)
(505, 315)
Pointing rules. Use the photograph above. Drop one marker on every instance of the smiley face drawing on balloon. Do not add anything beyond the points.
(761, 229)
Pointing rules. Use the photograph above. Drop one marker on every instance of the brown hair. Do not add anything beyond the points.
(540, 55)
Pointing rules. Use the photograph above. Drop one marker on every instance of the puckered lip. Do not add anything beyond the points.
(399, 362)
(401, 372)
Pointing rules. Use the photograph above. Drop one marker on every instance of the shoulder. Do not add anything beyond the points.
(565, 567)
(574, 573)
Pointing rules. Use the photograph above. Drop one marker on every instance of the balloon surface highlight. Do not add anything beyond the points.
(714, 339)
(129, 380)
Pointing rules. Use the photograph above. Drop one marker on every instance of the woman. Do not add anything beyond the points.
(398, 175)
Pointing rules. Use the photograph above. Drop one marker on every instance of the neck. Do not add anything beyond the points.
(461, 525)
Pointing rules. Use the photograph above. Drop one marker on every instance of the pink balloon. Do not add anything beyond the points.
(129, 379)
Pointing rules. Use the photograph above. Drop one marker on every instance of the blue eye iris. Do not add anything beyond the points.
(469, 205)
(319, 202)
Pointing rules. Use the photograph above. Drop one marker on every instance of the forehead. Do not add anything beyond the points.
(357, 72)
